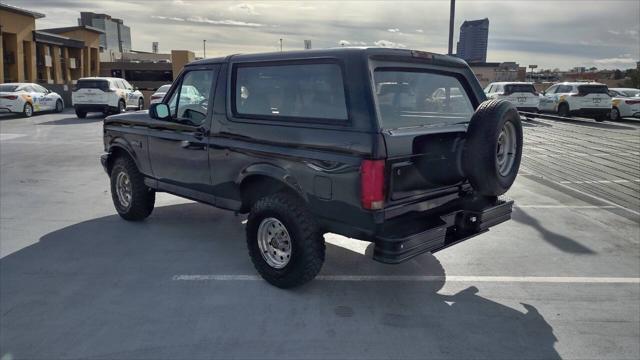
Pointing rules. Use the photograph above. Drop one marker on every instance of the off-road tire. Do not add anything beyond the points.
(59, 106)
(27, 110)
(308, 248)
(81, 114)
(563, 110)
(479, 160)
(142, 199)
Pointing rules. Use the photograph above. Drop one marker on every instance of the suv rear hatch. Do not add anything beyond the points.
(423, 116)
(91, 91)
(593, 96)
(521, 95)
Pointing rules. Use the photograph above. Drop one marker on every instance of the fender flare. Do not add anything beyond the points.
(122, 144)
(274, 172)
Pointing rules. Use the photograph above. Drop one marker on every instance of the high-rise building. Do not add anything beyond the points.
(116, 38)
(474, 37)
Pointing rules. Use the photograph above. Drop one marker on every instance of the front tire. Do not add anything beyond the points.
(59, 106)
(122, 107)
(140, 104)
(27, 111)
(132, 199)
(284, 241)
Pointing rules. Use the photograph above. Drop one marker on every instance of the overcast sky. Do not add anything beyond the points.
(550, 33)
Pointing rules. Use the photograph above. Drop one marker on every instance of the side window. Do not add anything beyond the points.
(302, 92)
(191, 100)
(127, 85)
(115, 84)
(552, 89)
(39, 88)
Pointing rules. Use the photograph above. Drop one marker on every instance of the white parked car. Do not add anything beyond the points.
(589, 99)
(159, 94)
(105, 94)
(624, 103)
(521, 94)
(27, 98)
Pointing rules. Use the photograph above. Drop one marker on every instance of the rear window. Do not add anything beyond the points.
(593, 89)
(302, 92)
(409, 98)
(8, 88)
(519, 88)
(93, 84)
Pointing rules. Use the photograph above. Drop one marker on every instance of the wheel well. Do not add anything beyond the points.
(255, 187)
(115, 153)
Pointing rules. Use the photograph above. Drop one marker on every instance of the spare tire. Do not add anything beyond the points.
(493, 148)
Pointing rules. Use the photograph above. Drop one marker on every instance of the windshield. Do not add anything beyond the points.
(93, 84)
(593, 89)
(8, 88)
(519, 88)
(163, 88)
(631, 93)
(408, 98)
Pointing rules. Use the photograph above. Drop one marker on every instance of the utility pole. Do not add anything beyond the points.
(452, 15)
(281, 45)
(204, 49)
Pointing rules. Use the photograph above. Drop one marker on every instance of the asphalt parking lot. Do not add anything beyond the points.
(561, 280)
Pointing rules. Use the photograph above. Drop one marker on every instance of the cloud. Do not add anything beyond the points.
(351, 43)
(389, 44)
(419, 31)
(244, 7)
(617, 62)
(394, 30)
(204, 20)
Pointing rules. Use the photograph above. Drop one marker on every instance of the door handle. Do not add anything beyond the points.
(200, 133)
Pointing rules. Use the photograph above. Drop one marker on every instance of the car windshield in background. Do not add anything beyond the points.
(519, 88)
(593, 89)
(164, 88)
(93, 84)
(631, 93)
(412, 98)
(8, 88)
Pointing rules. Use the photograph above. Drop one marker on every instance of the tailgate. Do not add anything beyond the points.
(90, 96)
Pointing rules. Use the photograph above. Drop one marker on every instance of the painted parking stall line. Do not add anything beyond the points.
(426, 278)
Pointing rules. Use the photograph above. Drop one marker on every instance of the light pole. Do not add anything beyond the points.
(452, 15)
(204, 49)
(281, 45)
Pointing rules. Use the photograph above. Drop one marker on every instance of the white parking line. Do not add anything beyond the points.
(565, 206)
(611, 181)
(7, 136)
(424, 278)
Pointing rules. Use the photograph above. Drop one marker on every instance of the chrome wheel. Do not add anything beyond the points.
(506, 149)
(274, 243)
(124, 189)
(28, 110)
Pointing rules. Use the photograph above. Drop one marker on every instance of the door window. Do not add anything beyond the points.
(190, 101)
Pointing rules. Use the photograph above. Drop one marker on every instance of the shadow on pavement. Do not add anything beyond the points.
(91, 118)
(104, 288)
(558, 240)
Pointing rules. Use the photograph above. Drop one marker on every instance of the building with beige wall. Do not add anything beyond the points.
(17, 46)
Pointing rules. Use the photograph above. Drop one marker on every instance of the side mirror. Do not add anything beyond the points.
(159, 111)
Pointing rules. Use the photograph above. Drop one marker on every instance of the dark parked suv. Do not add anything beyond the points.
(396, 147)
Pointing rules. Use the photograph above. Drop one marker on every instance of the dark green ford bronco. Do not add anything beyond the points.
(396, 147)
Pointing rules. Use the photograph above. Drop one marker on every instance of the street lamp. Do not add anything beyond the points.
(204, 49)
(452, 15)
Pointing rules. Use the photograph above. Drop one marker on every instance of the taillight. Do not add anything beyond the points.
(9, 97)
(372, 184)
(632, 102)
(157, 97)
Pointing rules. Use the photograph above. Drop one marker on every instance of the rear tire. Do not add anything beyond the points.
(132, 199)
(563, 110)
(297, 243)
(493, 148)
(27, 111)
(81, 114)
(615, 114)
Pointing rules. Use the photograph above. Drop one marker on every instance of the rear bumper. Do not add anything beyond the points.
(589, 112)
(406, 237)
(530, 109)
(95, 107)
